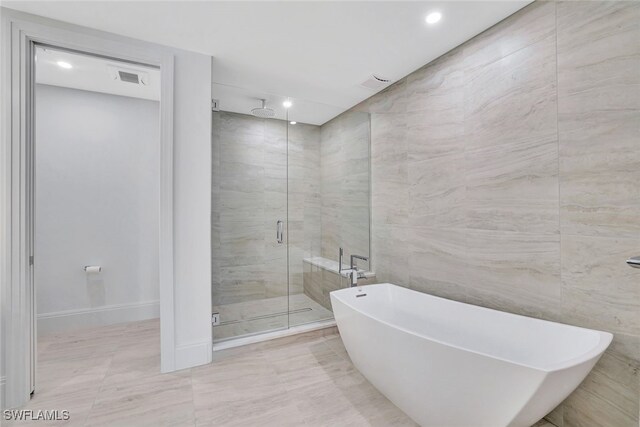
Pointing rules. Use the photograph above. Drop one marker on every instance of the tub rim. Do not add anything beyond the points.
(605, 338)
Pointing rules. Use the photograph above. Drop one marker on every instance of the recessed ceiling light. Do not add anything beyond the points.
(287, 103)
(292, 123)
(433, 17)
(64, 65)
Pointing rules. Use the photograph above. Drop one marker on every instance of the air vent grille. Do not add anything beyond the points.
(129, 77)
(380, 79)
(375, 82)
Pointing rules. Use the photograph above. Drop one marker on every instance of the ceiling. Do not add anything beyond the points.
(95, 74)
(316, 52)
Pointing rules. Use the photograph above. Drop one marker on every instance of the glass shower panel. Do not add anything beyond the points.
(328, 208)
(289, 188)
(249, 208)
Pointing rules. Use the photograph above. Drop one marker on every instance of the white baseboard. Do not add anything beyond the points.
(190, 355)
(68, 320)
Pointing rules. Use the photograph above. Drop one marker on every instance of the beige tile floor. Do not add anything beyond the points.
(269, 314)
(110, 377)
(543, 423)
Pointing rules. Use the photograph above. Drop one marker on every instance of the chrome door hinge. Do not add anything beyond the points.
(31, 260)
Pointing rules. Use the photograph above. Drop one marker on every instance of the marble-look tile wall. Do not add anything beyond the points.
(305, 203)
(505, 174)
(249, 195)
(344, 182)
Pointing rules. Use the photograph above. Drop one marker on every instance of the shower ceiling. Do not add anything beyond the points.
(316, 52)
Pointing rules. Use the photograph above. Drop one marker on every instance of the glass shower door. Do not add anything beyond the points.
(287, 192)
(249, 220)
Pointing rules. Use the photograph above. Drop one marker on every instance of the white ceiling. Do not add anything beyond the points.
(318, 52)
(94, 74)
(241, 100)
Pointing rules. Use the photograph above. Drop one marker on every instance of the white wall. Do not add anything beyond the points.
(97, 203)
(192, 209)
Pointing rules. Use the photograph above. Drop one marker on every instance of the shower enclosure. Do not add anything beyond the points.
(285, 196)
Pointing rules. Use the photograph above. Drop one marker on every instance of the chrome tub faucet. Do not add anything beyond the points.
(354, 268)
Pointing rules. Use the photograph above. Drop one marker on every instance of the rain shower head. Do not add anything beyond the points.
(263, 112)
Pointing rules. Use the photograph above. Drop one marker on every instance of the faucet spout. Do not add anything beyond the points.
(354, 268)
(354, 277)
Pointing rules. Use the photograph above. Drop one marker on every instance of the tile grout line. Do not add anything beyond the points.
(86, 418)
(100, 389)
(282, 384)
(193, 397)
(561, 284)
(323, 340)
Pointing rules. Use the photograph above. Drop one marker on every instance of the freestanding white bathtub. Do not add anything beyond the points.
(450, 364)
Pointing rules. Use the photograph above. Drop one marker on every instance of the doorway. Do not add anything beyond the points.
(94, 214)
(18, 115)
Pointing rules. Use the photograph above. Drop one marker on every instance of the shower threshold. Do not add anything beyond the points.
(267, 316)
(259, 316)
(266, 336)
(254, 321)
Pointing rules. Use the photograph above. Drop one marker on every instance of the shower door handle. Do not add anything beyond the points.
(280, 231)
(634, 262)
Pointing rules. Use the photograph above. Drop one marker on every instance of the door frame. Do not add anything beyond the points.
(19, 34)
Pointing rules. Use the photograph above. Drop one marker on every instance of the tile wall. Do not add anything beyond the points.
(344, 183)
(506, 174)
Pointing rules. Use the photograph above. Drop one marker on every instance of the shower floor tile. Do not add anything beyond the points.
(269, 314)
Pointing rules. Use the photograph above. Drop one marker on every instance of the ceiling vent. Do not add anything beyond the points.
(375, 82)
(128, 75)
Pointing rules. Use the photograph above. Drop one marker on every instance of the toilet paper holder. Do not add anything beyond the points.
(92, 268)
